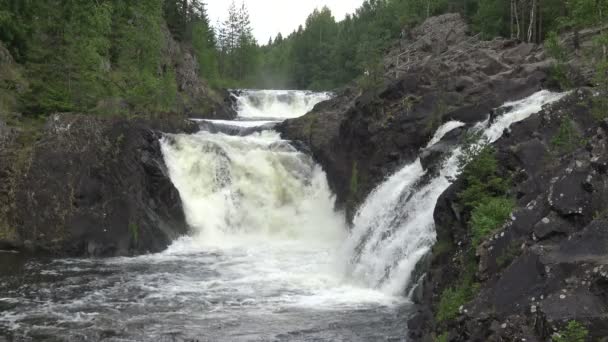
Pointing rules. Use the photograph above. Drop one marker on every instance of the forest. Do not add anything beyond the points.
(75, 53)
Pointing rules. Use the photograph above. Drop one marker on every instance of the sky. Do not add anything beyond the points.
(268, 17)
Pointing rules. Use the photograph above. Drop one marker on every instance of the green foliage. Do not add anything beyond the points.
(484, 191)
(573, 332)
(453, 298)
(489, 215)
(559, 68)
(480, 175)
(567, 138)
(490, 19)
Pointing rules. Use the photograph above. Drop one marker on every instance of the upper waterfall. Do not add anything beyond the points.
(276, 104)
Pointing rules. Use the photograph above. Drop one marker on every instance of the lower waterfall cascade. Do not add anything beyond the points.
(268, 257)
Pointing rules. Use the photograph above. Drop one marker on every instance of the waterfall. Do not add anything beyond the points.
(276, 104)
(242, 185)
(256, 185)
(394, 228)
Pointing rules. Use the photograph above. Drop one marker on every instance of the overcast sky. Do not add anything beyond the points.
(268, 17)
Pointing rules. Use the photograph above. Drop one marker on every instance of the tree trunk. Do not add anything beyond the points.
(512, 17)
(516, 18)
(532, 21)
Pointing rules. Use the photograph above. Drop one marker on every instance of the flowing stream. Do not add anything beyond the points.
(268, 258)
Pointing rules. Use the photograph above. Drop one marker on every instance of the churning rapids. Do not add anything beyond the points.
(268, 258)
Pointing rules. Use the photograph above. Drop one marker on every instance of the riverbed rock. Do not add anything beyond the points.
(93, 186)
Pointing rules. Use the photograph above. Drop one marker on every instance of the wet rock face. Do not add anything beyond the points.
(548, 265)
(437, 74)
(96, 186)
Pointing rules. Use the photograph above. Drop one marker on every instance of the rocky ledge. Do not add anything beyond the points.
(89, 186)
(440, 73)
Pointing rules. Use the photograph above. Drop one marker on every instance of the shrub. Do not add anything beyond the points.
(488, 216)
(453, 298)
(482, 181)
(573, 332)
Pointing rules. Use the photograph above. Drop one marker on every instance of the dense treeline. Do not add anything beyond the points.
(324, 53)
(87, 55)
(84, 55)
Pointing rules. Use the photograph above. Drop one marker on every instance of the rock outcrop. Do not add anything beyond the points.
(439, 74)
(91, 186)
(548, 265)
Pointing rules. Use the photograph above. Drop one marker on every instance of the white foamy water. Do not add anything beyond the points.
(394, 228)
(279, 104)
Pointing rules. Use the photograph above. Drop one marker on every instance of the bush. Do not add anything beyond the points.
(488, 216)
(573, 332)
(453, 298)
(482, 181)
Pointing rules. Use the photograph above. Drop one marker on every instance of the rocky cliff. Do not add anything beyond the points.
(89, 185)
(548, 265)
(440, 73)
